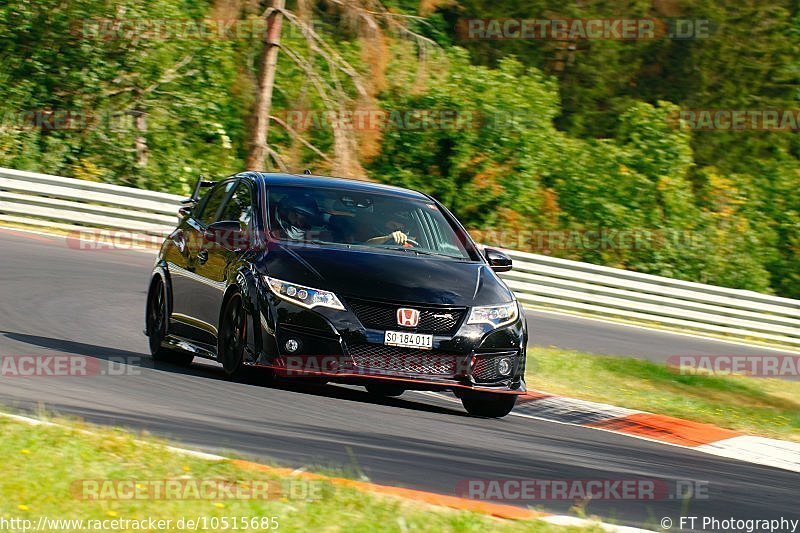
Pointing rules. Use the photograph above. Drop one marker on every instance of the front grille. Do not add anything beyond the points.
(484, 370)
(381, 315)
(380, 359)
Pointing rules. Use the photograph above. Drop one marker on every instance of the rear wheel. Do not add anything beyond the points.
(385, 389)
(487, 404)
(156, 326)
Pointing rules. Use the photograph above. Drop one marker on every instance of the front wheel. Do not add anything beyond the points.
(233, 340)
(488, 404)
(156, 327)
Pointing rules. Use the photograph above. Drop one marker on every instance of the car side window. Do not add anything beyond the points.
(210, 209)
(240, 206)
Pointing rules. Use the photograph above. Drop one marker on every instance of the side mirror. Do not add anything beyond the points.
(228, 234)
(184, 212)
(499, 261)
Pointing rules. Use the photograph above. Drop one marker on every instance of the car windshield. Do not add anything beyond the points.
(370, 220)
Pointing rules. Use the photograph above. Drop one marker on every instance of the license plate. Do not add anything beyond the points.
(408, 340)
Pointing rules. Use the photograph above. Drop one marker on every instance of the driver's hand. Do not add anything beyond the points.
(398, 237)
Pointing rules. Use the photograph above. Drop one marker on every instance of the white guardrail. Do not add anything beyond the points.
(33, 199)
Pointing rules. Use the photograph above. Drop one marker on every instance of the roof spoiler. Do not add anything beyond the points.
(196, 193)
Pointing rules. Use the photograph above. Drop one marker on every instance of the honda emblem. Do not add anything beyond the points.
(407, 317)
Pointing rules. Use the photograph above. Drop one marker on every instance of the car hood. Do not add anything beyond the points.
(400, 277)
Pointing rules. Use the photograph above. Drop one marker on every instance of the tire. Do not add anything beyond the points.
(385, 389)
(156, 320)
(232, 340)
(487, 404)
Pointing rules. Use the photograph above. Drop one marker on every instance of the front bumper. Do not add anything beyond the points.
(334, 345)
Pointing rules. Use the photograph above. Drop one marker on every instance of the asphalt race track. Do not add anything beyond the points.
(55, 299)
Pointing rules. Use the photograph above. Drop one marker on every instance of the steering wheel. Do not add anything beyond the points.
(411, 243)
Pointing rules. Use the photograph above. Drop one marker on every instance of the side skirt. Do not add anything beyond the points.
(174, 342)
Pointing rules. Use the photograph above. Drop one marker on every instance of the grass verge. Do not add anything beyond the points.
(760, 406)
(55, 471)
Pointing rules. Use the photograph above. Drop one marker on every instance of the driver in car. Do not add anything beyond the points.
(295, 216)
(397, 234)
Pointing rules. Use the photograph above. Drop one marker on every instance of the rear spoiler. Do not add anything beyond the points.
(193, 199)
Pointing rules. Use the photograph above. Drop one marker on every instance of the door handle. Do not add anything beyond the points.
(202, 256)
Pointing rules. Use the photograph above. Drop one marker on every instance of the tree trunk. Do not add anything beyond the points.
(142, 151)
(268, 62)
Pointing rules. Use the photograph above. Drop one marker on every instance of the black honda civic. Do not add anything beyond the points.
(337, 280)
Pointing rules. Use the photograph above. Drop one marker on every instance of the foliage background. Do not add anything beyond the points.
(568, 135)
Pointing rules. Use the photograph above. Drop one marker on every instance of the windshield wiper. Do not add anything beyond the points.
(420, 252)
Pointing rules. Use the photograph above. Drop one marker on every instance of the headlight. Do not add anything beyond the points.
(495, 315)
(303, 296)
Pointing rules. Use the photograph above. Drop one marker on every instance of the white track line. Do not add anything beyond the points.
(562, 520)
(769, 452)
(182, 451)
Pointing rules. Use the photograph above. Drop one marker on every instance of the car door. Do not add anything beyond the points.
(187, 304)
(215, 258)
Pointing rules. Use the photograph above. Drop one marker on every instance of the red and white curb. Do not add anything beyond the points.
(759, 450)
(704, 438)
